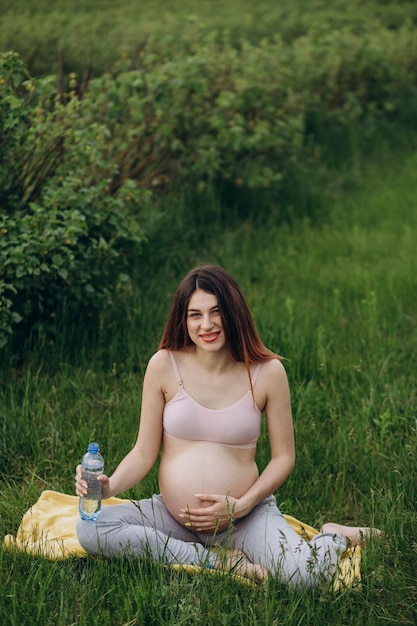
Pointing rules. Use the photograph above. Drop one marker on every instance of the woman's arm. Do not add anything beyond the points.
(281, 438)
(140, 460)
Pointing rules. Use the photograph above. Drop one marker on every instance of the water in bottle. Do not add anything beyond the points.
(92, 466)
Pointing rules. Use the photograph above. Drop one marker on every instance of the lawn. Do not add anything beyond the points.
(335, 296)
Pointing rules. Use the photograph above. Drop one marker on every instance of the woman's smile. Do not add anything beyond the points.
(210, 337)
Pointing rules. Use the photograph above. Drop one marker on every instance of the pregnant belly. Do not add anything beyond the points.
(189, 468)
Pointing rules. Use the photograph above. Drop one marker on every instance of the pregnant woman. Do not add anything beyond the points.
(204, 394)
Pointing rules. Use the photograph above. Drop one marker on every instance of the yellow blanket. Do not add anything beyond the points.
(48, 530)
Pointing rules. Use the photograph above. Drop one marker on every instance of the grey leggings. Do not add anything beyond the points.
(146, 527)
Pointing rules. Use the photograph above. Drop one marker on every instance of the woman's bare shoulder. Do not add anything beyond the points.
(273, 374)
(160, 374)
(159, 364)
(273, 367)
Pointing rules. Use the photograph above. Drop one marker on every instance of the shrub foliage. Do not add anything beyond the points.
(79, 168)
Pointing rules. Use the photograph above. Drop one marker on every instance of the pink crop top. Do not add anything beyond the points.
(237, 426)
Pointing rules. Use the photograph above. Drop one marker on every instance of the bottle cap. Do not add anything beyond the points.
(93, 447)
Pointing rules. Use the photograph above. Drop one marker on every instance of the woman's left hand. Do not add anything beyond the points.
(217, 515)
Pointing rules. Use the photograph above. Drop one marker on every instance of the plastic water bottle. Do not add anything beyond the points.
(92, 466)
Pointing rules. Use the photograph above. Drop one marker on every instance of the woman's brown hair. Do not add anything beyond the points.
(240, 332)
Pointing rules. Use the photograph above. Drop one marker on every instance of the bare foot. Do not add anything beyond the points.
(356, 535)
(236, 562)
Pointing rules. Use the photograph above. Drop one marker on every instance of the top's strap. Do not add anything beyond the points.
(176, 370)
(256, 373)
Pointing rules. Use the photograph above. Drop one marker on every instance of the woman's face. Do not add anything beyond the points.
(204, 322)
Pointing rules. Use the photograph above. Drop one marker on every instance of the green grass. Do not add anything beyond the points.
(334, 294)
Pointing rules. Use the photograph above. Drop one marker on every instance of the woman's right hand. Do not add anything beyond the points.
(81, 485)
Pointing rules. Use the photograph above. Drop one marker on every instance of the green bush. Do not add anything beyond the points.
(65, 236)
(68, 36)
(80, 169)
